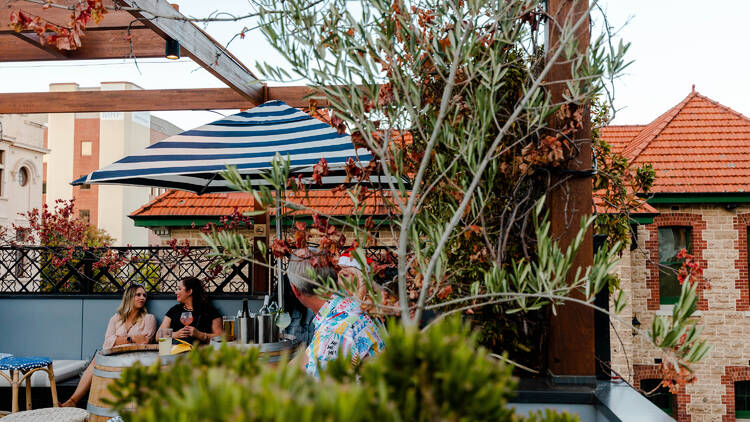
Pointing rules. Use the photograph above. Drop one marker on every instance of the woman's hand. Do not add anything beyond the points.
(186, 332)
(140, 339)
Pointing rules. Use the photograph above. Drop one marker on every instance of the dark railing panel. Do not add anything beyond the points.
(102, 271)
(40, 270)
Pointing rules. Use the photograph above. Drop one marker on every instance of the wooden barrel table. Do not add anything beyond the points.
(108, 366)
(111, 362)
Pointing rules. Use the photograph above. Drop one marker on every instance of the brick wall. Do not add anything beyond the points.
(725, 319)
(741, 223)
(86, 199)
(385, 237)
(190, 234)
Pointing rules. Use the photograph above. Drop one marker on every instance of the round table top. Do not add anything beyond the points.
(128, 359)
(50, 414)
(129, 348)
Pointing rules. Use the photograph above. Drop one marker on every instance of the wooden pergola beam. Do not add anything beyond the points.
(163, 19)
(33, 40)
(145, 100)
(109, 43)
(61, 16)
(151, 22)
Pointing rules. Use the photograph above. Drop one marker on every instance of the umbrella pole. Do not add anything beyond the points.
(279, 282)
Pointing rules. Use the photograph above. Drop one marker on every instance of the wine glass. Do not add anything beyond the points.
(186, 318)
(283, 319)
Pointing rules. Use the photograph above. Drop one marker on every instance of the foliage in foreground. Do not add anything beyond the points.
(437, 374)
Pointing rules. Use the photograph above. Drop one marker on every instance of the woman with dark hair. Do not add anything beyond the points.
(193, 318)
(132, 324)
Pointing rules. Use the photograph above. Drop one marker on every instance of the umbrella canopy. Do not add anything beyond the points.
(249, 140)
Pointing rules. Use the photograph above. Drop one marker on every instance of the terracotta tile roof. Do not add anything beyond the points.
(180, 203)
(174, 203)
(600, 207)
(698, 146)
(619, 136)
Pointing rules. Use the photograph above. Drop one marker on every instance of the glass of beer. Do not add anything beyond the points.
(228, 326)
(165, 341)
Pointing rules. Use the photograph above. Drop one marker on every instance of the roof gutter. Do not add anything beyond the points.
(699, 198)
(200, 221)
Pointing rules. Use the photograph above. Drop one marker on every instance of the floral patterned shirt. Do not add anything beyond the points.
(342, 327)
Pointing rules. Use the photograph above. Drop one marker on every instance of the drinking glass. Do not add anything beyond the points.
(228, 326)
(186, 318)
(283, 319)
(165, 341)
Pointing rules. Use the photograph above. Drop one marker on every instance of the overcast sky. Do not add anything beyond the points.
(674, 44)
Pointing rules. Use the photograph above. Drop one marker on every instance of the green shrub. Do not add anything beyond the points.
(439, 374)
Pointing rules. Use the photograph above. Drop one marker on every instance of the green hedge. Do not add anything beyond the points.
(438, 375)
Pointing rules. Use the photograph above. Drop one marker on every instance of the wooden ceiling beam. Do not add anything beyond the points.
(99, 44)
(122, 100)
(33, 40)
(163, 19)
(60, 16)
(144, 100)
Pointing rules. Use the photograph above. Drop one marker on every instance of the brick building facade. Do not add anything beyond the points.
(83, 142)
(700, 151)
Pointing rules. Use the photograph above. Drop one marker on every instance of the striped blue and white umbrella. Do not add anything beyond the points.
(248, 140)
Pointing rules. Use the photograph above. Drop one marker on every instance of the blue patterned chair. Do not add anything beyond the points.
(21, 369)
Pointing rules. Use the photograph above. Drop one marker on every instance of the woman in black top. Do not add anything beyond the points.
(191, 297)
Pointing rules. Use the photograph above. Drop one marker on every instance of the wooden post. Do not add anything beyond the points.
(571, 342)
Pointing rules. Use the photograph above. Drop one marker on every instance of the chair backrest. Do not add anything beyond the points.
(73, 327)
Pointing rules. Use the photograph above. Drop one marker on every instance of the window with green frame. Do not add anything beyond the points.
(671, 241)
(659, 395)
(742, 399)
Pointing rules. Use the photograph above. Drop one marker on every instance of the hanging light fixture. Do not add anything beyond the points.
(636, 325)
(171, 49)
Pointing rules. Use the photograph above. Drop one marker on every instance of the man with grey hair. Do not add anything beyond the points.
(341, 326)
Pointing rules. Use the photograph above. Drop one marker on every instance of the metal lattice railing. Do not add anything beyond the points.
(37, 270)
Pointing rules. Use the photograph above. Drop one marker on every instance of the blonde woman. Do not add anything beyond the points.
(132, 324)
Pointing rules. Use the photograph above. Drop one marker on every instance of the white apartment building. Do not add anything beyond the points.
(80, 143)
(21, 155)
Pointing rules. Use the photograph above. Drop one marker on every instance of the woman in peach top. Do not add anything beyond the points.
(132, 324)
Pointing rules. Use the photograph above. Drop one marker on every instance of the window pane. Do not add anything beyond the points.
(742, 399)
(659, 395)
(84, 215)
(669, 286)
(671, 241)
(86, 148)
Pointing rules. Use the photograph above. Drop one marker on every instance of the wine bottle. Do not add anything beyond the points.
(243, 323)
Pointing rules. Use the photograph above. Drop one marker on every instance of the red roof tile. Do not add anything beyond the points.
(619, 136)
(181, 203)
(600, 207)
(698, 146)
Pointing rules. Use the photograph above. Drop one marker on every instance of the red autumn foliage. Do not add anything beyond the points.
(673, 377)
(320, 170)
(690, 267)
(62, 37)
(65, 234)
(338, 123)
(235, 220)
(58, 227)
